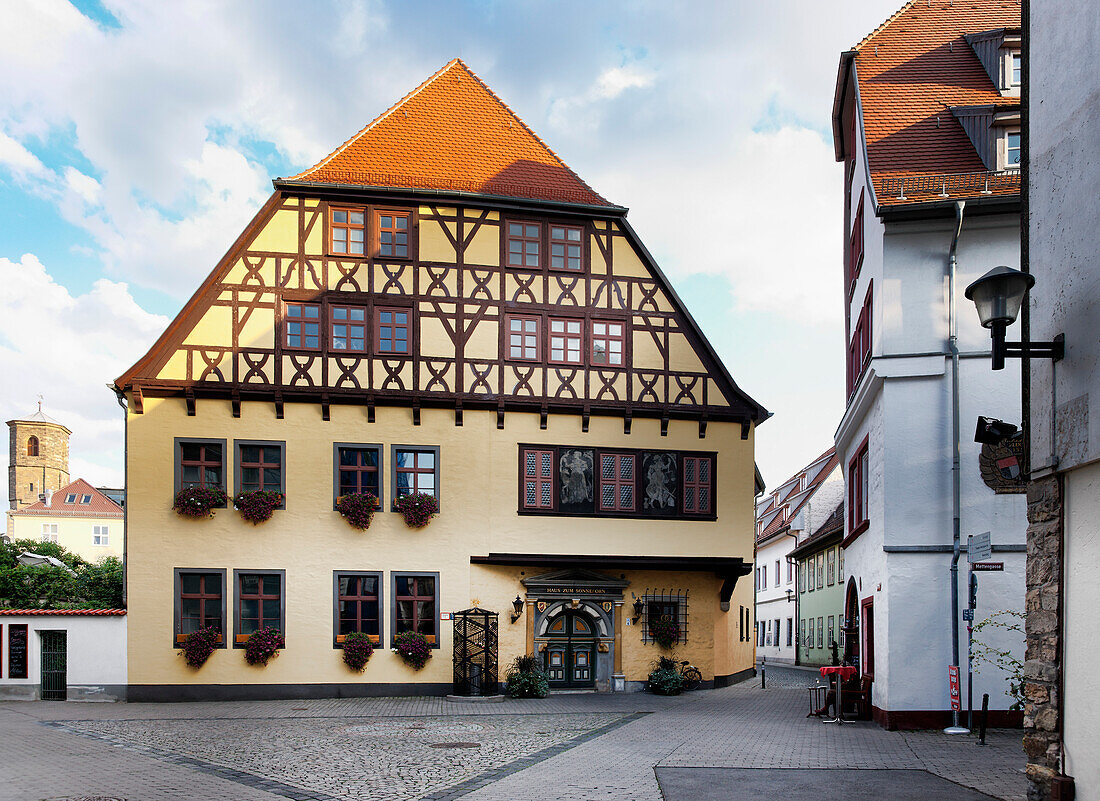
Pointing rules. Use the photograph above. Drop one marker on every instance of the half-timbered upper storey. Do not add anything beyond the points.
(442, 256)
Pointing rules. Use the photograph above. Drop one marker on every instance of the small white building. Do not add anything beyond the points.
(63, 654)
(785, 518)
(926, 119)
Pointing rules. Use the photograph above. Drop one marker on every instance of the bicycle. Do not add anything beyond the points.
(691, 675)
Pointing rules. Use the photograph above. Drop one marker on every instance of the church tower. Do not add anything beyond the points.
(38, 458)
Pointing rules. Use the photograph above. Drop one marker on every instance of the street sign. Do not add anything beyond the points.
(988, 567)
(979, 548)
(953, 683)
(968, 615)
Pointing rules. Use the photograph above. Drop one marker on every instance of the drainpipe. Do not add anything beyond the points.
(120, 396)
(956, 533)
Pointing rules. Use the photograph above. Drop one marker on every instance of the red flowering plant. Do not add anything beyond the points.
(198, 502)
(664, 632)
(413, 647)
(357, 650)
(358, 508)
(263, 645)
(256, 506)
(198, 645)
(418, 508)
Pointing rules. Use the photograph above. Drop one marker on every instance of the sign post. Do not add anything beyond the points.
(979, 550)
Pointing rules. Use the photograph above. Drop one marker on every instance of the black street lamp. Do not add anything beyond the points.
(998, 296)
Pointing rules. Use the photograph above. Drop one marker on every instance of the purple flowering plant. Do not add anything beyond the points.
(198, 645)
(256, 506)
(263, 645)
(357, 650)
(665, 633)
(199, 502)
(358, 508)
(413, 647)
(418, 508)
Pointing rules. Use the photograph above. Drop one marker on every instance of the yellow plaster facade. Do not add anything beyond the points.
(80, 535)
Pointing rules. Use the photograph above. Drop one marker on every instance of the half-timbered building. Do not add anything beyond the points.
(439, 306)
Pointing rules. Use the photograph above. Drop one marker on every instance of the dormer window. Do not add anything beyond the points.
(1012, 150)
(1015, 69)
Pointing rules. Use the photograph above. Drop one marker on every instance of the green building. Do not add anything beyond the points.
(820, 562)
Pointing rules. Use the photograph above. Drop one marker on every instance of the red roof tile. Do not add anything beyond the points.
(912, 70)
(79, 612)
(99, 505)
(786, 508)
(453, 134)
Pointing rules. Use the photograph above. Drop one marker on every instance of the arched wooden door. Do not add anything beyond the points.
(851, 624)
(571, 650)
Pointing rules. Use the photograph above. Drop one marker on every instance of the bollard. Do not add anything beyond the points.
(762, 674)
(985, 719)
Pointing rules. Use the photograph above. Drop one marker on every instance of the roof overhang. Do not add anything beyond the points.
(844, 70)
(452, 196)
(815, 544)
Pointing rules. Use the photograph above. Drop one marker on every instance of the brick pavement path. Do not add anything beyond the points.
(561, 748)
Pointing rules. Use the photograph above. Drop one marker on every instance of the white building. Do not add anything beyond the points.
(1063, 174)
(925, 117)
(785, 517)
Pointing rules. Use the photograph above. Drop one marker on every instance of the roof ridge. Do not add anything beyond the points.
(884, 24)
(424, 84)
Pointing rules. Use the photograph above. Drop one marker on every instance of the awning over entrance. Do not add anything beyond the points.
(728, 568)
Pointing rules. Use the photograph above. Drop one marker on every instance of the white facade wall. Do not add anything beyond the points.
(902, 407)
(771, 602)
(1064, 245)
(96, 656)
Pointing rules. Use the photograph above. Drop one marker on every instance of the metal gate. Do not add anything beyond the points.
(54, 679)
(475, 652)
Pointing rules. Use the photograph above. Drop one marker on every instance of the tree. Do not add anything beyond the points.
(82, 585)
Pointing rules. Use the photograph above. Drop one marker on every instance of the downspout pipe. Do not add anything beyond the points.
(956, 522)
(120, 396)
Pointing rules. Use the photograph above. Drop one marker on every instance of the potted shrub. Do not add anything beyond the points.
(417, 508)
(413, 648)
(199, 502)
(665, 679)
(263, 645)
(256, 506)
(526, 679)
(357, 650)
(358, 508)
(666, 633)
(198, 645)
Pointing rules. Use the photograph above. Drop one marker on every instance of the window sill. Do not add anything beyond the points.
(855, 533)
(431, 638)
(374, 638)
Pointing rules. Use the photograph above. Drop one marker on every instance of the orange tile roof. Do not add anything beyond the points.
(452, 134)
(912, 69)
(99, 505)
(81, 612)
(784, 508)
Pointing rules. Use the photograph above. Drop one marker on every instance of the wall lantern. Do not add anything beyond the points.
(517, 608)
(790, 595)
(639, 607)
(998, 296)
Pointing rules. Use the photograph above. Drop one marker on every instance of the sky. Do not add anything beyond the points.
(138, 139)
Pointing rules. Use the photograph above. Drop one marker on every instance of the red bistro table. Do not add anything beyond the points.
(842, 673)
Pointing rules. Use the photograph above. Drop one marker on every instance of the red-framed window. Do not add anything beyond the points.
(523, 244)
(867, 634)
(393, 234)
(538, 479)
(858, 469)
(202, 464)
(32, 446)
(617, 482)
(358, 471)
(698, 485)
(259, 602)
(348, 328)
(391, 328)
(415, 602)
(347, 232)
(855, 246)
(566, 341)
(565, 247)
(302, 326)
(415, 472)
(608, 341)
(200, 603)
(357, 604)
(261, 468)
(523, 337)
(859, 346)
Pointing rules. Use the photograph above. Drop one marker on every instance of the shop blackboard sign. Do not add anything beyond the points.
(17, 651)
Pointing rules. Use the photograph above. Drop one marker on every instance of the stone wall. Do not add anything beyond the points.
(48, 470)
(1042, 668)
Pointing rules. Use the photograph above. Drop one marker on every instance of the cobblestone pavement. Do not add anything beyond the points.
(564, 748)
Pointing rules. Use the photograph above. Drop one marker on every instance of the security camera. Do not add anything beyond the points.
(992, 432)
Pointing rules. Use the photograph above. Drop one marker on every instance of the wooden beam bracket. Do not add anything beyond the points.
(500, 416)
(586, 416)
(189, 398)
(703, 427)
(664, 425)
(544, 412)
(458, 413)
(628, 418)
(278, 405)
(370, 408)
(416, 412)
(137, 400)
(325, 411)
(235, 401)
(744, 429)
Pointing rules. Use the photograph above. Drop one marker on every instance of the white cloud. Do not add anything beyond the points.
(615, 81)
(67, 348)
(585, 111)
(18, 159)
